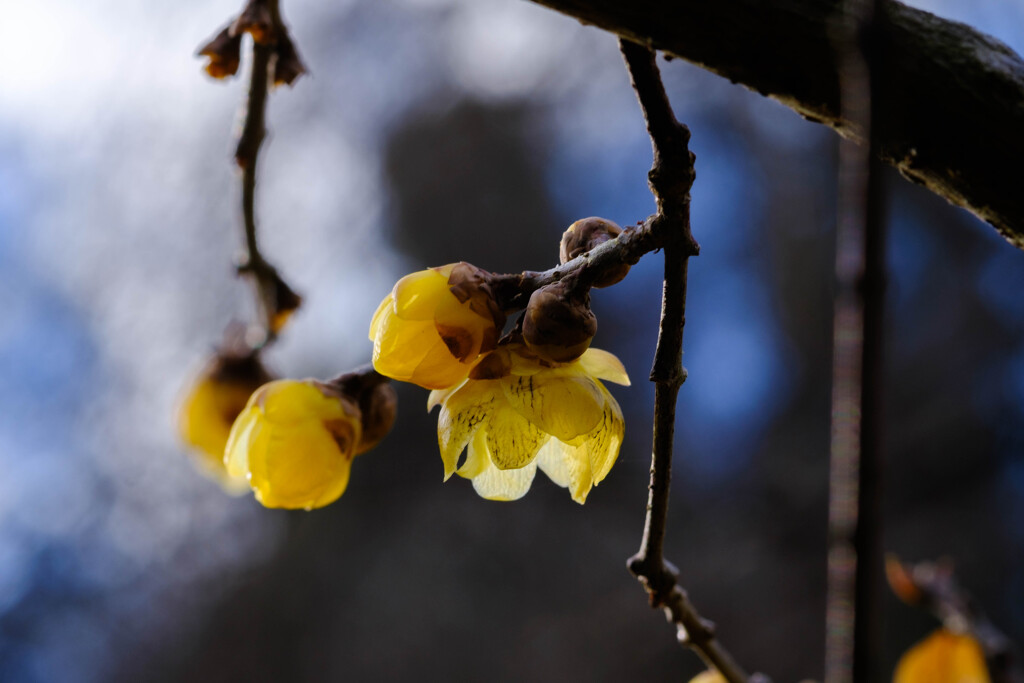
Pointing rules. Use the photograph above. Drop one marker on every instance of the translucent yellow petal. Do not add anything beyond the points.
(564, 407)
(478, 458)
(495, 484)
(567, 466)
(417, 295)
(943, 657)
(439, 369)
(299, 466)
(603, 365)
(289, 401)
(400, 346)
(378, 317)
(439, 396)
(461, 416)
(236, 452)
(603, 443)
(511, 439)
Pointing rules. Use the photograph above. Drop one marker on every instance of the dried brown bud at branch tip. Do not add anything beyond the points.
(224, 52)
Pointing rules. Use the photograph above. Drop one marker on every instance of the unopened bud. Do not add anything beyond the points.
(558, 324)
(224, 54)
(583, 236)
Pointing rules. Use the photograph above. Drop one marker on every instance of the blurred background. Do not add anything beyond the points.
(431, 131)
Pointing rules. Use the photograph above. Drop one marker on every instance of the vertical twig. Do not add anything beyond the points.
(670, 179)
(853, 619)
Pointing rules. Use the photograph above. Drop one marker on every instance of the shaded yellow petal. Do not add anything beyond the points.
(461, 416)
(604, 441)
(298, 466)
(417, 295)
(943, 657)
(243, 431)
(603, 365)
(708, 677)
(562, 406)
(400, 347)
(378, 317)
(511, 439)
(495, 484)
(439, 396)
(478, 458)
(439, 369)
(567, 466)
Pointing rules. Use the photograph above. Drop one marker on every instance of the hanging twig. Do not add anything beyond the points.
(670, 178)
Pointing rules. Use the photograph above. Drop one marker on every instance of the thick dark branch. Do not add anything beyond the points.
(951, 114)
(670, 179)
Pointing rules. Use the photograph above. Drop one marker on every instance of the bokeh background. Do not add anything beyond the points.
(430, 132)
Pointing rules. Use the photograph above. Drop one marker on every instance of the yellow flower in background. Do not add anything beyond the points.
(217, 396)
(295, 442)
(943, 657)
(708, 677)
(434, 325)
(516, 413)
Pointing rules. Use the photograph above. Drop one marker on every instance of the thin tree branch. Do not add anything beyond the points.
(670, 179)
(951, 107)
(853, 613)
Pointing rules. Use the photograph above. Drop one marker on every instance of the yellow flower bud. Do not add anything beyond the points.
(516, 413)
(224, 52)
(708, 677)
(216, 397)
(434, 325)
(582, 236)
(295, 442)
(943, 657)
(558, 325)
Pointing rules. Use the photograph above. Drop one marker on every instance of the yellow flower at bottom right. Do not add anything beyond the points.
(943, 657)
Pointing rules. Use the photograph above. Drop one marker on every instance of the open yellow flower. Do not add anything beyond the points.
(516, 413)
(295, 442)
(217, 396)
(434, 325)
(943, 657)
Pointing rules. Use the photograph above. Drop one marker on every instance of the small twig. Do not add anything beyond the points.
(670, 179)
(853, 614)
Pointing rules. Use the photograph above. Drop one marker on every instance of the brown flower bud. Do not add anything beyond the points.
(376, 401)
(256, 20)
(558, 324)
(287, 65)
(224, 54)
(582, 236)
(471, 284)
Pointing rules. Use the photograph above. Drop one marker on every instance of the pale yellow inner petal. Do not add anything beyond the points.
(604, 365)
(512, 440)
(562, 406)
(567, 466)
(460, 418)
(495, 484)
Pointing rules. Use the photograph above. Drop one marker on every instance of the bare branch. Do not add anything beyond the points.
(951, 105)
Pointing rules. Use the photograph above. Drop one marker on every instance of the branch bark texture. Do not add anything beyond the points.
(951, 99)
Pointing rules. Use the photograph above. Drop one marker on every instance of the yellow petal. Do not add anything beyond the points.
(943, 657)
(439, 396)
(461, 416)
(567, 466)
(417, 295)
(495, 484)
(564, 407)
(400, 346)
(708, 677)
(439, 369)
(236, 452)
(299, 466)
(603, 443)
(604, 365)
(378, 317)
(511, 439)
(478, 458)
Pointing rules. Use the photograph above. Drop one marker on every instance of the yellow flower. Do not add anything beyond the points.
(708, 677)
(516, 413)
(434, 325)
(294, 442)
(215, 399)
(943, 657)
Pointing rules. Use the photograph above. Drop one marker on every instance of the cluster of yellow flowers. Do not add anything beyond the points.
(532, 400)
(511, 409)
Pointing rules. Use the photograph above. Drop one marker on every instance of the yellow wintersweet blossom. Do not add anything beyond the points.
(516, 413)
(434, 325)
(211, 405)
(294, 443)
(943, 657)
(708, 677)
